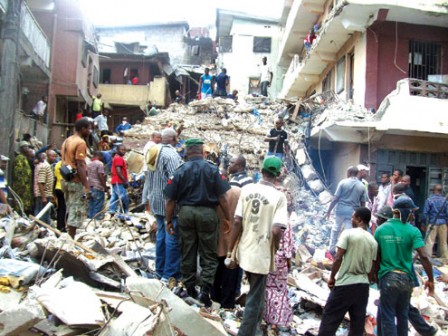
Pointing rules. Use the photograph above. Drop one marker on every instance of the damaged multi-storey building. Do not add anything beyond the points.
(378, 73)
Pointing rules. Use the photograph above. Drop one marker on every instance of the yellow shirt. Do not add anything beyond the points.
(57, 175)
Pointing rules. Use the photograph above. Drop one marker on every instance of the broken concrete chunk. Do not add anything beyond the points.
(19, 319)
(184, 317)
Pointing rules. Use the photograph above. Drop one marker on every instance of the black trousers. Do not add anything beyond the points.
(224, 287)
(352, 299)
(62, 209)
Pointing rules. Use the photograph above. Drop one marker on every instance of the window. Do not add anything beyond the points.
(225, 43)
(105, 76)
(253, 85)
(340, 75)
(195, 50)
(425, 58)
(262, 44)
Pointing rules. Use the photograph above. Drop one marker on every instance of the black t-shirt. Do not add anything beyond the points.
(283, 136)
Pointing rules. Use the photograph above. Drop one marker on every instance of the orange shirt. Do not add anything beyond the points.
(74, 149)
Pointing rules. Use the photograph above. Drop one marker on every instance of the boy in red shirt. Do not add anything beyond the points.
(119, 182)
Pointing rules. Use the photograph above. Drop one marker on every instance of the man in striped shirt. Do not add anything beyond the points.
(43, 186)
(167, 241)
(237, 168)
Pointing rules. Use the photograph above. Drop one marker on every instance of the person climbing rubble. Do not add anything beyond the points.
(119, 195)
(350, 194)
(261, 217)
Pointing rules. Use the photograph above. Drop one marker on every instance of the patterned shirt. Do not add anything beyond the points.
(94, 169)
(43, 174)
(167, 163)
(241, 179)
(432, 207)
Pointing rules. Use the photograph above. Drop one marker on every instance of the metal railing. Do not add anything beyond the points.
(418, 87)
(34, 34)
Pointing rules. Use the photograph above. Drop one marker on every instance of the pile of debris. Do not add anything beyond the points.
(102, 283)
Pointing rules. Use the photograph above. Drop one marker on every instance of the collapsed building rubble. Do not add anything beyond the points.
(102, 283)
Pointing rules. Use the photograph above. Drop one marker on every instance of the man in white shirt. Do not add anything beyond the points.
(383, 190)
(265, 77)
(260, 218)
(101, 122)
(40, 107)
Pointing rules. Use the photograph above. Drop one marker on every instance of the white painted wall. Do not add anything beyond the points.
(242, 63)
(359, 80)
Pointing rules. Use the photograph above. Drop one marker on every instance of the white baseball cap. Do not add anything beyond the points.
(362, 167)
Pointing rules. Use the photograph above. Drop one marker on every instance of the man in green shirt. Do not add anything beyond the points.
(357, 250)
(396, 240)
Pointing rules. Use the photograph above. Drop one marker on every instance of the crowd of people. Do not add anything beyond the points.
(222, 224)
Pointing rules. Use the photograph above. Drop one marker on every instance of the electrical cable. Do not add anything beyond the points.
(396, 49)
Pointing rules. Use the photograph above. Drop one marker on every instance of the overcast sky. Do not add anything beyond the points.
(196, 12)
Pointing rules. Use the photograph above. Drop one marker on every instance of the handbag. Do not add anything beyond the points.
(67, 171)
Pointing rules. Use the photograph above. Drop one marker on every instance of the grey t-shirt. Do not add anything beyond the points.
(351, 192)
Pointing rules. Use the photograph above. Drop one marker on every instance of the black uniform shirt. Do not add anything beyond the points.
(283, 136)
(196, 182)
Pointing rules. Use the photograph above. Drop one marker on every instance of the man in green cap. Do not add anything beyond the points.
(260, 218)
(197, 188)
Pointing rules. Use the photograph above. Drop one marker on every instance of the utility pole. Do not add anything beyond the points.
(9, 77)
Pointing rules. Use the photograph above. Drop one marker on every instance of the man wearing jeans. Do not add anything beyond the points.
(260, 218)
(350, 194)
(97, 181)
(167, 243)
(119, 182)
(396, 240)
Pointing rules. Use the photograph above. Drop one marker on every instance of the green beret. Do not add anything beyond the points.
(193, 142)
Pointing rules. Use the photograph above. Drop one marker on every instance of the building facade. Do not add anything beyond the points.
(74, 63)
(241, 34)
(387, 57)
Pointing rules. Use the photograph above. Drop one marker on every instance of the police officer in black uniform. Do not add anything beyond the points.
(197, 188)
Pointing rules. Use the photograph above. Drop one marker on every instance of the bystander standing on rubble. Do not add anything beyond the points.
(278, 311)
(383, 190)
(350, 194)
(435, 215)
(197, 188)
(396, 240)
(76, 190)
(357, 250)
(60, 199)
(260, 218)
(98, 188)
(179, 99)
(97, 105)
(237, 169)
(101, 122)
(406, 180)
(104, 145)
(362, 174)
(277, 137)
(52, 157)
(372, 203)
(167, 239)
(22, 178)
(43, 186)
(124, 126)
(206, 84)
(156, 138)
(415, 317)
(394, 180)
(119, 195)
(265, 76)
(222, 81)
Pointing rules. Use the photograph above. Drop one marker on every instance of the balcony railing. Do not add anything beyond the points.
(427, 89)
(34, 34)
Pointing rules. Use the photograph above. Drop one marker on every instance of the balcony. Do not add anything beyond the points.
(135, 95)
(34, 42)
(347, 18)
